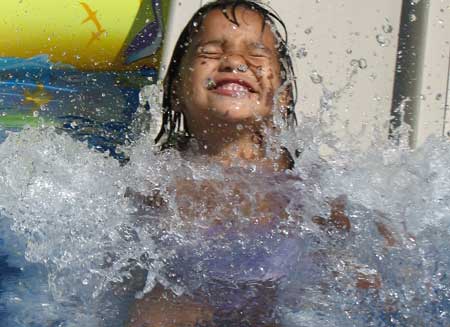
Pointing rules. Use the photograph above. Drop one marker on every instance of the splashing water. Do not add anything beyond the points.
(85, 235)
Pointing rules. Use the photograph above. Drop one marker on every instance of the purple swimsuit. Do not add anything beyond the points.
(244, 270)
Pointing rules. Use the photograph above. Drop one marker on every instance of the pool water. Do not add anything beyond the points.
(75, 251)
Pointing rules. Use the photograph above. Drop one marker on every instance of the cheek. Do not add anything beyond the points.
(193, 84)
(274, 75)
(199, 73)
(268, 74)
(271, 82)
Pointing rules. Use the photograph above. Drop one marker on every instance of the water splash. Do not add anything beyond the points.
(86, 250)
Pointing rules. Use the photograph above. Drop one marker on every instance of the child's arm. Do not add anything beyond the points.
(339, 221)
(161, 308)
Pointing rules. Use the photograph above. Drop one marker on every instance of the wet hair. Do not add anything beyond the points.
(174, 120)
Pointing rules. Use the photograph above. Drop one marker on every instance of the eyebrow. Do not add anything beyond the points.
(205, 43)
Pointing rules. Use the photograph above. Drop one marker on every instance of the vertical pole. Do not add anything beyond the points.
(447, 98)
(409, 65)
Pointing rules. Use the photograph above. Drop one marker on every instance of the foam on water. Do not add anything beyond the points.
(82, 250)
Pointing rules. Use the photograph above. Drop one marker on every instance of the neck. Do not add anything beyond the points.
(243, 145)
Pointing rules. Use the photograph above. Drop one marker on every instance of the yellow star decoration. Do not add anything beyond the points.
(38, 98)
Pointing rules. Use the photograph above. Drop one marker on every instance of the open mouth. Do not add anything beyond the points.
(233, 87)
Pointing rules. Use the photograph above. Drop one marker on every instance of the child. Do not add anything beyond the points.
(229, 82)
(229, 78)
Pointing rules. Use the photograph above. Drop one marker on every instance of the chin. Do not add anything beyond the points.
(236, 113)
(239, 116)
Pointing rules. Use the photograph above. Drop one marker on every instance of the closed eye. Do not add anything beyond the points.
(259, 55)
(210, 54)
(258, 50)
(210, 51)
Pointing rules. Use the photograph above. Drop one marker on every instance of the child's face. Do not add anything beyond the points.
(230, 73)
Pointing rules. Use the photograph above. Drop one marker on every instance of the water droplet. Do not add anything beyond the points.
(239, 127)
(387, 28)
(85, 282)
(210, 84)
(315, 77)
(354, 63)
(308, 30)
(195, 24)
(259, 71)
(412, 17)
(362, 63)
(242, 68)
(422, 97)
(438, 96)
(301, 53)
(147, 21)
(103, 94)
(381, 39)
(349, 51)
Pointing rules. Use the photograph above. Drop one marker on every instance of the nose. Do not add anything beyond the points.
(233, 62)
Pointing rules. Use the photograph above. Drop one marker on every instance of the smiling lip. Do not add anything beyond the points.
(233, 87)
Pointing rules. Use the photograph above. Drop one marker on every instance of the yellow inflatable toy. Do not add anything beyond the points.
(88, 34)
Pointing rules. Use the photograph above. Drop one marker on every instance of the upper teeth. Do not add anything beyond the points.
(234, 87)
